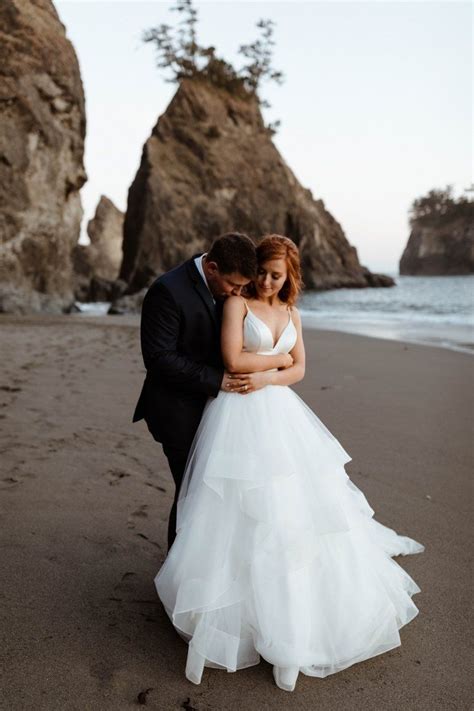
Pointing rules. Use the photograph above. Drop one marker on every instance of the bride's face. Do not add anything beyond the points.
(271, 276)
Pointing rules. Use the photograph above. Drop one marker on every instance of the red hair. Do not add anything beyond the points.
(279, 247)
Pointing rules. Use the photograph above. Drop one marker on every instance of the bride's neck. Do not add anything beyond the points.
(270, 301)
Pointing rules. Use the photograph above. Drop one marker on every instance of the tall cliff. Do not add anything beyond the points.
(42, 129)
(441, 247)
(210, 166)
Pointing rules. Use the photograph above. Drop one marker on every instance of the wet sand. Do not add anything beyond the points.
(85, 496)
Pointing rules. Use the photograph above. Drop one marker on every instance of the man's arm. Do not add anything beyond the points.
(159, 338)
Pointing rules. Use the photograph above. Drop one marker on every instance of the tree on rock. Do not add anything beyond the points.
(177, 49)
(439, 205)
(260, 55)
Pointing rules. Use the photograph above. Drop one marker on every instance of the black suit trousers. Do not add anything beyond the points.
(177, 463)
(177, 458)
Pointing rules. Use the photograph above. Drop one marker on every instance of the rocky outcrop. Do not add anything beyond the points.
(210, 166)
(441, 247)
(42, 129)
(105, 232)
(128, 304)
(98, 263)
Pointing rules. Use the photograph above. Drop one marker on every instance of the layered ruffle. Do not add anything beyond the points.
(278, 553)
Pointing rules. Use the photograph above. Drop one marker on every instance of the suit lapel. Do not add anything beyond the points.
(202, 290)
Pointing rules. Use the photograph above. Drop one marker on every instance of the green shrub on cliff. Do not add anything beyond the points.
(439, 205)
(177, 50)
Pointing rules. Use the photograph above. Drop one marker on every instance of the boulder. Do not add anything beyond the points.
(99, 262)
(128, 303)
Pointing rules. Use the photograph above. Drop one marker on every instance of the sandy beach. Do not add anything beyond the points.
(85, 496)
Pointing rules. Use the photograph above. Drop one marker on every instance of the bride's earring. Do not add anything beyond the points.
(194, 665)
(285, 677)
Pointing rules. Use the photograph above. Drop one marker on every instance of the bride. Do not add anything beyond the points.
(277, 553)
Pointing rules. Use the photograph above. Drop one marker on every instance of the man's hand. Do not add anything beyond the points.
(235, 382)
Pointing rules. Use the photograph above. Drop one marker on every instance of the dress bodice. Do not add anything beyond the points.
(258, 337)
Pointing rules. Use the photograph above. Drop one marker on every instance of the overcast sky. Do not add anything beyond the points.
(376, 107)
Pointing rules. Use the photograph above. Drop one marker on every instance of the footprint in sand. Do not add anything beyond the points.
(140, 513)
(126, 582)
(153, 543)
(116, 476)
(155, 486)
(10, 482)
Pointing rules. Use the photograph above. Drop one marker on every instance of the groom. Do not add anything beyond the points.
(180, 340)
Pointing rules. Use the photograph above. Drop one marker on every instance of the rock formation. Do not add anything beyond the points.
(441, 247)
(105, 233)
(99, 262)
(210, 166)
(42, 129)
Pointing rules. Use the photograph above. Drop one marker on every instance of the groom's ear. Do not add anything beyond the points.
(212, 267)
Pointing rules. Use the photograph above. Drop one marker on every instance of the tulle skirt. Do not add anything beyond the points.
(277, 553)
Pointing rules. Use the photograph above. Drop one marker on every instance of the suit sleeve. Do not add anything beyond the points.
(159, 330)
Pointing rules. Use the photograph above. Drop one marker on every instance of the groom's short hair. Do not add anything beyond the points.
(234, 252)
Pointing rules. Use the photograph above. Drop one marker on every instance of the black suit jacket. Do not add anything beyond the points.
(180, 340)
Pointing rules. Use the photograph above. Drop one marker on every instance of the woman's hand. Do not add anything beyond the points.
(250, 382)
(287, 361)
(255, 381)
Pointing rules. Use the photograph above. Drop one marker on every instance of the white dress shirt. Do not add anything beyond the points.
(198, 263)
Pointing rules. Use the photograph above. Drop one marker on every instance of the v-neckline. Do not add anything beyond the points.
(274, 345)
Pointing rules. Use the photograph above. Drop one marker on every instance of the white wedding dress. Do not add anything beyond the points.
(277, 553)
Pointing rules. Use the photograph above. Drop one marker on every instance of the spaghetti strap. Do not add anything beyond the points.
(246, 304)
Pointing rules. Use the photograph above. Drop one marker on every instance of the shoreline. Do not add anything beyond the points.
(453, 337)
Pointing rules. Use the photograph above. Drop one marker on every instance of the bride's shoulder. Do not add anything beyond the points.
(295, 314)
(234, 303)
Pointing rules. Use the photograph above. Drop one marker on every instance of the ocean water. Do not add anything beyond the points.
(433, 310)
(437, 311)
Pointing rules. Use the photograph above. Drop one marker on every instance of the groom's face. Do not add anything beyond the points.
(224, 285)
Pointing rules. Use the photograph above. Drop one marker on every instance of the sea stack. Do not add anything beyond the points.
(443, 246)
(209, 167)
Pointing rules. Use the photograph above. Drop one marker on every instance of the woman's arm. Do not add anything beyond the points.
(296, 372)
(235, 359)
(290, 375)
